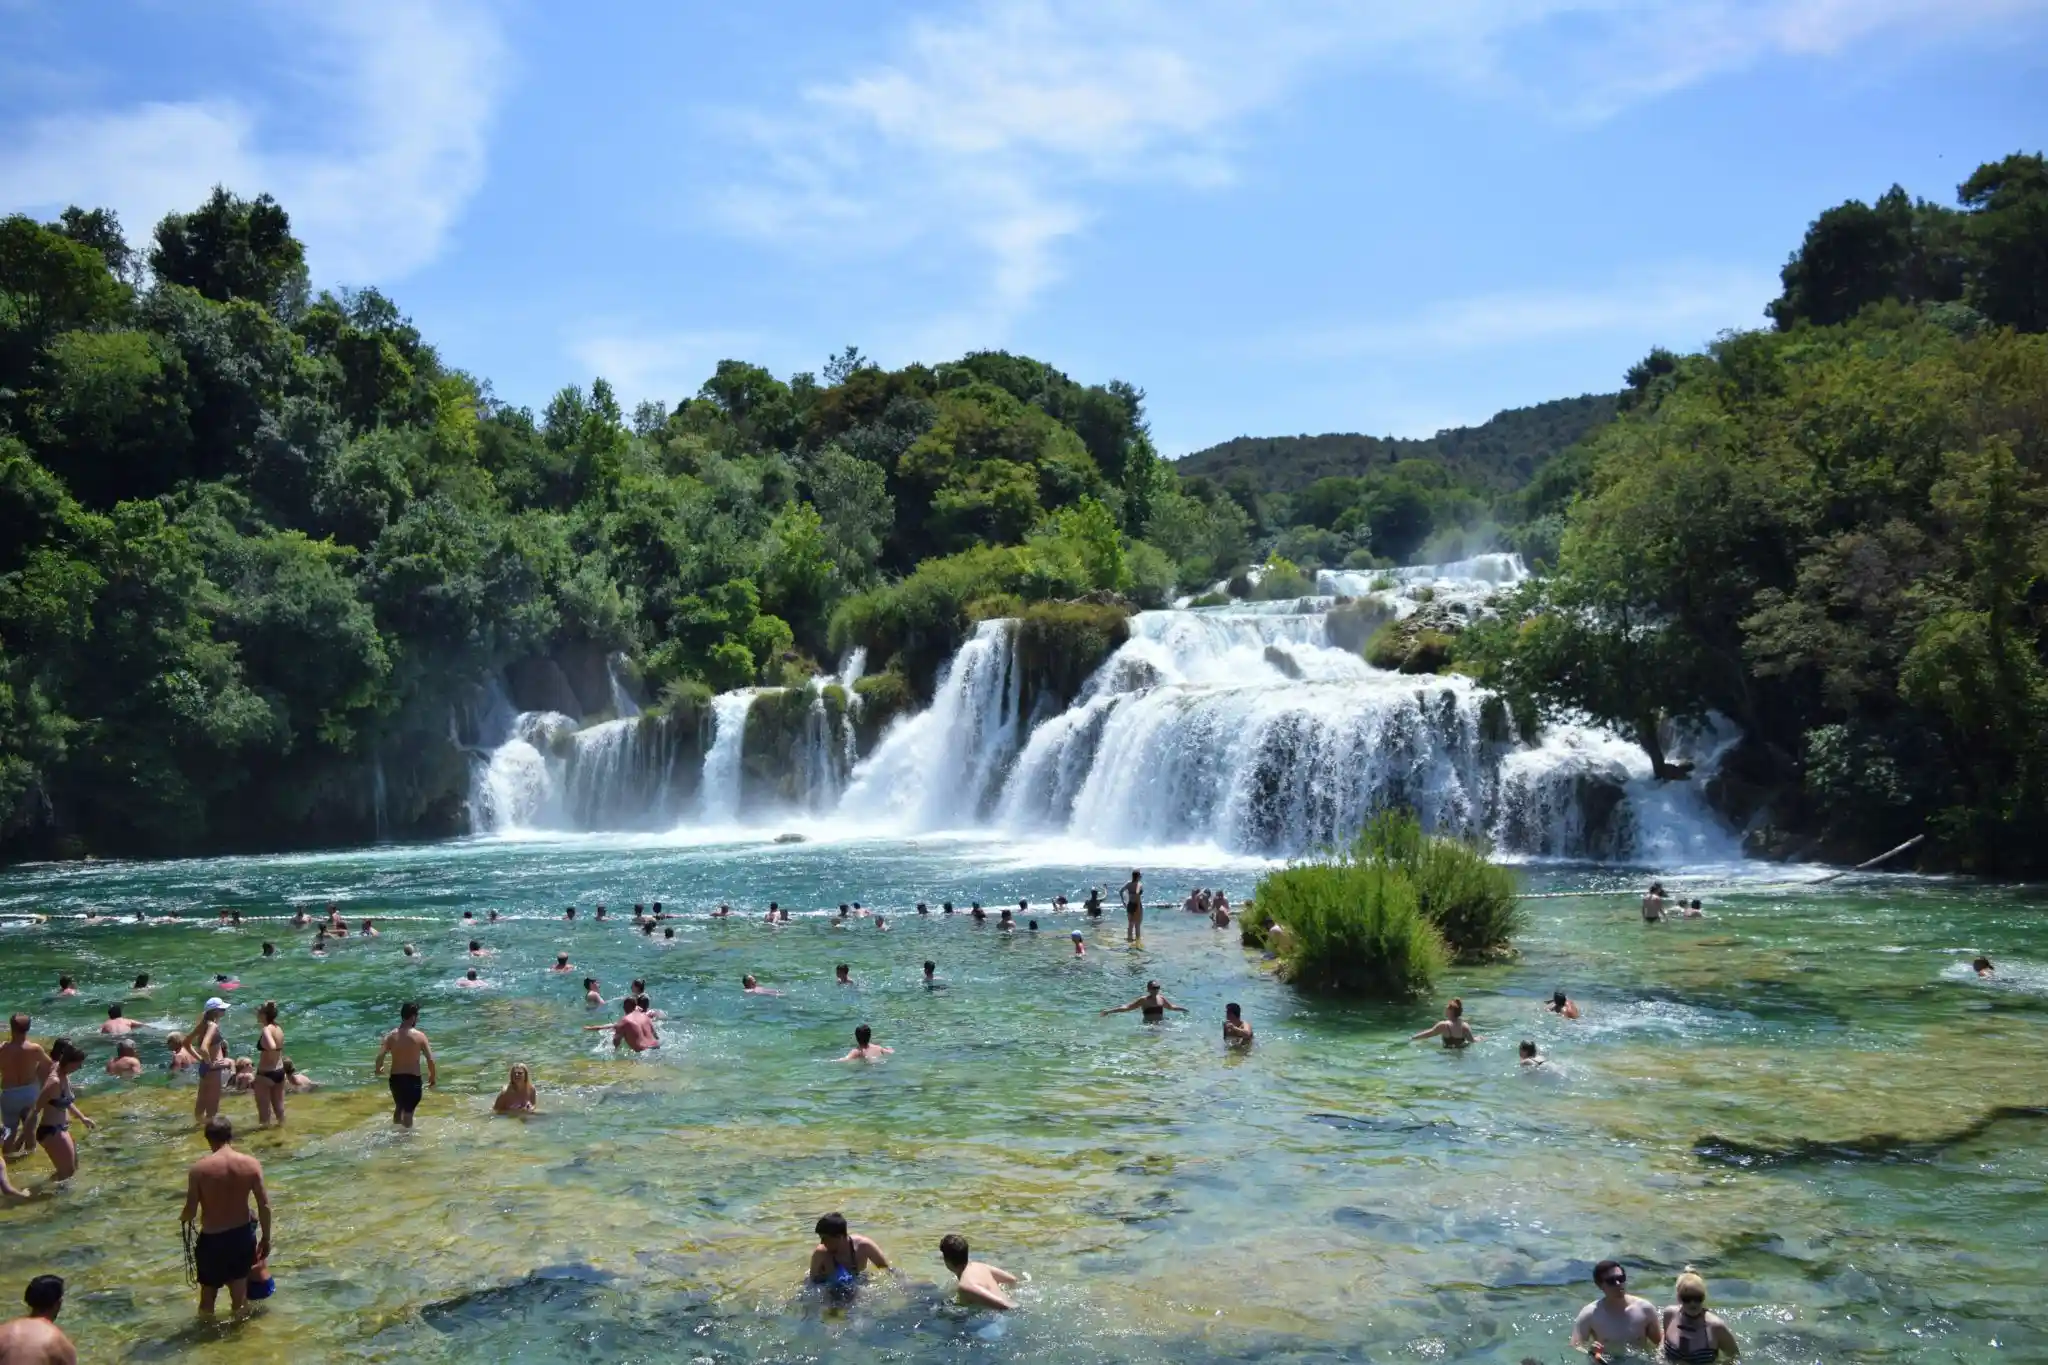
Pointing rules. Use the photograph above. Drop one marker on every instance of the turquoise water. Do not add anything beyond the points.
(1806, 1095)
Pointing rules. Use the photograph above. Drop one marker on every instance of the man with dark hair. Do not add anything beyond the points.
(407, 1047)
(218, 1192)
(35, 1338)
(23, 1066)
(980, 1282)
(840, 1255)
(1617, 1319)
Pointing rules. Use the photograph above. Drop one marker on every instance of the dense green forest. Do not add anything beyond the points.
(260, 547)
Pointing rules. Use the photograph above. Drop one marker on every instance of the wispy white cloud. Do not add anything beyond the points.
(374, 147)
(991, 137)
(1677, 303)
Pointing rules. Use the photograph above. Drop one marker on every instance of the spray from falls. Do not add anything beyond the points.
(719, 790)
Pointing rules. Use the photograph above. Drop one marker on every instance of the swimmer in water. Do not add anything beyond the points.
(561, 963)
(841, 1256)
(269, 949)
(1151, 1002)
(411, 951)
(126, 1062)
(947, 906)
(1983, 968)
(65, 986)
(1691, 911)
(865, 1048)
(1236, 1032)
(590, 995)
(923, 909)
(882, 923)
(470, 981)
(749, 986)
(1005, 923)
(494, 917)
(116, 1025)
(477, 949)
(980, 1282)
(1617, 1320)
(1530, 1057)
(408, 1049)
(1452, 1028)
(633, 1029)
(320, 942)
(369, 929)
(518, 1096)
(931, 979)
(1653, 903)
(295, 1079)
(844, 974)
(141, 986)
(668, 933)
(569, 913)
(1692, 1335)
(182, 1057)
(1080, 944)
(1563, 1006)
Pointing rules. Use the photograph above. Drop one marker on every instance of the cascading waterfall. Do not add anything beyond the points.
(718, 792)
(1243, 726)
(623, 705)
(380, 822)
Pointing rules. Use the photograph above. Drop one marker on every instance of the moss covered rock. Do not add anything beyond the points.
(879, 699)
(1060, 644)
(1423, 643)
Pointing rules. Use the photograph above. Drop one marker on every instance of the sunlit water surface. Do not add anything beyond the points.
(1807, 1095)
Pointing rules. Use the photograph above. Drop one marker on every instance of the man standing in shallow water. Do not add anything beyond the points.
(217, 1192)
(407, 1047)
(1617, 1319)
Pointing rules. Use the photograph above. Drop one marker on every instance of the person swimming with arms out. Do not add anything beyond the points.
(519, 1095)
(471, 981)
(1563, 1006)
(1530, 1057)
(1152, 1003)
(865, 1048)
(979, 1283)
(749, 986)
(1452, 1028)
(116, 1025)
(1983, 968)
(634, 1027)
(841, 1256)
(1236, 1032)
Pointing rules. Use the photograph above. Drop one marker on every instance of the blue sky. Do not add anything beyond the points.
(1300, 215)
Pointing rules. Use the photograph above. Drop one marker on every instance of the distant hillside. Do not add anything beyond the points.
(1501, 453)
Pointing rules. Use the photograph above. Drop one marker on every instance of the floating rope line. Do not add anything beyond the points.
(1739, 887)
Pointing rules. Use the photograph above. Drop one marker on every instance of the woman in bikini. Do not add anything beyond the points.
(1692, 1335)
(205, 1043)
(518, 1096)
(1452, 1028)
(270, 1078)
(1152, 1003)
(57, 1105)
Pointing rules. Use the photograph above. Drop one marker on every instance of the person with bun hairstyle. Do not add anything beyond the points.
(269, 1087)
(1692, 1335)
(1452, 1028)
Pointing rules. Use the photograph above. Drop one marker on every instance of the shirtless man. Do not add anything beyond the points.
(1617, 1319)
(116, 1025)
(23, 1066)
(35, 1338)
(66, 986)
(407, 1047)
(125, 1062)
(865, 1048)
(1563, 1005)
(634, 1028)
(217, 1193)
(1236, 1032)
(561, 963)
(1133, 894)
(980, 1282)
(1653, 903)
(749, 986)
(841, 1256)
(590, 993)
(470, 981)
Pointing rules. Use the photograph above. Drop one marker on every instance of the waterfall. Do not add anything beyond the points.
(380, 822)
(938, 768)
(623, 705)
(516, 788)
(718, 793)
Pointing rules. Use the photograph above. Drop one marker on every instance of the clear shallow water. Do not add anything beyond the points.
(1803, 1095)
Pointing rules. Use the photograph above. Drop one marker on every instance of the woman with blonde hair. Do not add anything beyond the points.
(518, 1096)
(1692, 1335)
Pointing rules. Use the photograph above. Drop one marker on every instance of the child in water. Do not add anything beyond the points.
(980, 1282)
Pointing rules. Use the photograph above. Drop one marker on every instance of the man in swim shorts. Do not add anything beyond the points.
(407, 1047)
(23, 1067)
(217, 1192)
(1617, 1320)
(841, 1256)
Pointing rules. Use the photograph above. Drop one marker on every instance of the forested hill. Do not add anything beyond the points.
(1499, 454)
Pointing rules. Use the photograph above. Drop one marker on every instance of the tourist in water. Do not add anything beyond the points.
(634, 1027)
(931, 979)
(843, 974)
(882, 923)
(1692, 1335)
(749, 986)
(1983, 968)
(1563, 1006)
(1452, 1028)
(562, 963)
(300, 919)
(569, 913)
(218, 1192)
(1093, 905)
(947, 906)
(979, 1282)
(1059, 903)
(600, 914)
(471, 981)
(782, 916)
(1133, 894)
(141, 986)
(1617, 1320)
(24, 1067)
(1005, 923)
(1080, 943)
(590, 995)
(477, 949)
(865, 1048)
(1219, 912)
(269, 1066)
(35, 1338)
(1653, 903)
(269, 948)
(57, 1105)
(126, 1061)
(116, 1025)
(1236, 1032)
(320, 942)
(841, 1256)
(411, 951)
(66, 987)
(295, 1079)
(845, 915)
(668, 933)
(923, 909)
(493, 917)
(369, 929)
(182, 1057)
(242, 1080)
(407, 1048)
(1151, 1002)
(207, 1044)
(518, 1096)
(1530, 1057)
(1691, 910)
(469, 918)
(980, 915)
